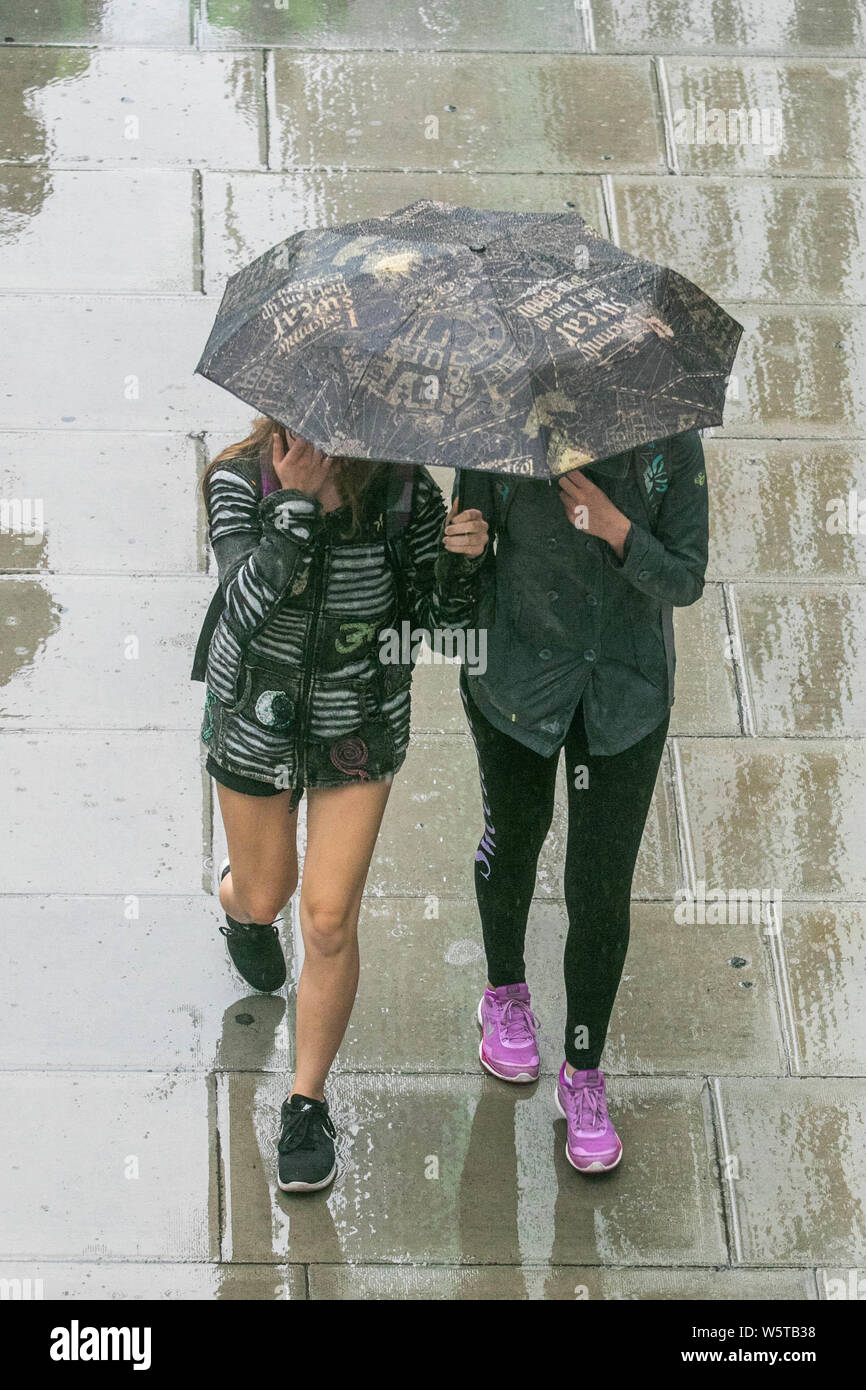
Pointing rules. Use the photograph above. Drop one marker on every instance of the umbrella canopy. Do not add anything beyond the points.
(458, 337)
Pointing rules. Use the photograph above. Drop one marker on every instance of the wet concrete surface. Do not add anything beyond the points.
(146, 152)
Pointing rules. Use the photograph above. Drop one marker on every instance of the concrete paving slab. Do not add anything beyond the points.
(705, 689)
(490, 112)
(87, 812)
(131, 1281)
(436, 703)
(153, 988)
(733, 236)
(798, 373)
(107, 1166)
(776, 814)
(802, 650)
(103, 652)
(695, 999)
(806, 115)
(797, 1187)
(581, 1283)
(456, 1170)
(785, 26)
(433, 821)
(82, 366)
(110, 107)
(51, 241)
(246, 213)
(423, 971)
(796, 513)
(53, 475)
(101, 22)
(544, 24)
(825, 959)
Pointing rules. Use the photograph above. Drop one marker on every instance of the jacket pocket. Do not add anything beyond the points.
(649, 647)
(267, 697)
(342, 705)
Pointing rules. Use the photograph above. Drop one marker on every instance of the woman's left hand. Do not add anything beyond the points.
(591, 510)
(465, 532)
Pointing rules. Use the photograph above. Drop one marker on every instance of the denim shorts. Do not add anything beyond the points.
(250, 786)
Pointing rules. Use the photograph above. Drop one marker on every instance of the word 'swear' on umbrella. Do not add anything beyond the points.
(453, 336)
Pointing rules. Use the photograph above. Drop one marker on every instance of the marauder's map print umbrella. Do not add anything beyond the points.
(516, 342)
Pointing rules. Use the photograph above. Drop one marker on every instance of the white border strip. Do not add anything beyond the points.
(687, 853)
(584, 12)
(739, 657)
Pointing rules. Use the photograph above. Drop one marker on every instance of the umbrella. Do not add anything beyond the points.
(466, 338)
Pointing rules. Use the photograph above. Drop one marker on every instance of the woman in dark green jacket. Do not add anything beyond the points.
(578, 601)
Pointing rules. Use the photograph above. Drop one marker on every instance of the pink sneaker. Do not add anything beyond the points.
(508, 1048)
(593, 1145)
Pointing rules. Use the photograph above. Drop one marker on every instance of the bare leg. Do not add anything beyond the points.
(342, 828)
(263, 850)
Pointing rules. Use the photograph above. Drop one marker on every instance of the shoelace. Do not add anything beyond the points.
(516, 1020)
(588, 1104)
(247, 928)
(297, 1129)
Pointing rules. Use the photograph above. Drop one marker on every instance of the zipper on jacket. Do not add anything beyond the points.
(310, 654)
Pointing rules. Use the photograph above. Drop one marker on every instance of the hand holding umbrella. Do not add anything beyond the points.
(465, 532)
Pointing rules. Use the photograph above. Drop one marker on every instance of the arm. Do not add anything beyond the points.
(443, 584)
(670, 565)
(263, 548)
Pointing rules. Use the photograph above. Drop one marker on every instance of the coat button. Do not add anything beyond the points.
(552, 595)
(589, 654)
(552, 542)
(591, 600)
(644, 575)
(544, 654)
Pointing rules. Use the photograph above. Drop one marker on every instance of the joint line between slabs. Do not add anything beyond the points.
(661, 79)
(727, 1179)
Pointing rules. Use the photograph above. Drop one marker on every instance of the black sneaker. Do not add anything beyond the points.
(306, 1159)
(255, 950)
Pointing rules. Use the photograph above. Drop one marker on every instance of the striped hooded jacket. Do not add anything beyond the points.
(296, 693)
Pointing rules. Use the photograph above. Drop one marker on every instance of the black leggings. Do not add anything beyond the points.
(606, 819)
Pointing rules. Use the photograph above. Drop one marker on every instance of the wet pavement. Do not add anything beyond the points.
(146, 151)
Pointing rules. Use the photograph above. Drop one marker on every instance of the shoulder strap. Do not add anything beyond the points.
(399, 498)
(212, 617)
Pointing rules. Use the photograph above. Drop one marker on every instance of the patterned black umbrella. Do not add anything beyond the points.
(515, 342)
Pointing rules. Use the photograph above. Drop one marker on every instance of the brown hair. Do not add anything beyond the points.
(352, 476)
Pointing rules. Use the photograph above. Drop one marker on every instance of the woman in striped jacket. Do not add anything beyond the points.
(297, 698)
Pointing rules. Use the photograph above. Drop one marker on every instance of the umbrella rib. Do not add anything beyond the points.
(507, 322)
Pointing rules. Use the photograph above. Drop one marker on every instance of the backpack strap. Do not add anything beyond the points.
(268, 482)
(399, 498)
(212, 617)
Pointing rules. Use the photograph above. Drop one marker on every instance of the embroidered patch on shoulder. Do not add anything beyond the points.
(655, 478)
